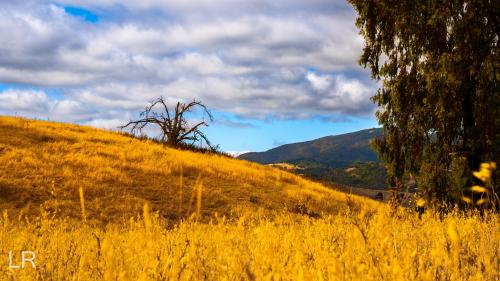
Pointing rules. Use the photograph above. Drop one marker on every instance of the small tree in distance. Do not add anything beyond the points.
(175, 129)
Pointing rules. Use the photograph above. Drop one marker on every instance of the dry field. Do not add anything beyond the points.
(98, 205)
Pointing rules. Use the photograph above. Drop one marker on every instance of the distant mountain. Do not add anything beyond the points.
(334, 151)
(345, 160)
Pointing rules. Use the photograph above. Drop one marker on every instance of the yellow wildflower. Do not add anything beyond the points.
(485, 169)
(421, 202)
(466, 200)
(481, 201)
(484, 174)
(484, 166)
(479, 189)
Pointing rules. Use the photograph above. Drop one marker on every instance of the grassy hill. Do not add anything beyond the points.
(278, 226)
(44, 164)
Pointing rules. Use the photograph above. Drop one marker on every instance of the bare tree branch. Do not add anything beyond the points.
(175, 128)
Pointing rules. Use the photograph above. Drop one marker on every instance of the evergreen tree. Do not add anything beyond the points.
(439, 102)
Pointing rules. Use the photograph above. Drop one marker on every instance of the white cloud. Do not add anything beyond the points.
(28, 103)
(319, 82)
(248, 58)
(110, 124)
(214, 7)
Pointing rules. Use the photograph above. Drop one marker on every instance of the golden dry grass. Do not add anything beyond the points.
(80, 199)
(45, 164)
(347, 246)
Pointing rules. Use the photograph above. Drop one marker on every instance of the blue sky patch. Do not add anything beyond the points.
(264, 135)
(86, 15)
(52, 93)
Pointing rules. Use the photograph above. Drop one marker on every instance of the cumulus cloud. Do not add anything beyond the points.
(249, 58)
(110, 124)
(29, 103)
(319, 82)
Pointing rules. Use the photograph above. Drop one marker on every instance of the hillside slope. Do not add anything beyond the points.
(43, 165)
(335, 151)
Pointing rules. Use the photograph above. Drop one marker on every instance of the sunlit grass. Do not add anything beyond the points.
(347, 246)
(44, 166)
(96, 205)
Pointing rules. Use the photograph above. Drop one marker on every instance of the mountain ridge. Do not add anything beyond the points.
(336, 150)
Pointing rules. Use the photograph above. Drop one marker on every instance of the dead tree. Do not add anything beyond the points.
(175, 128)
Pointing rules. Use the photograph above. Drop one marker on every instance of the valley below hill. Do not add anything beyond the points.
(346, 160)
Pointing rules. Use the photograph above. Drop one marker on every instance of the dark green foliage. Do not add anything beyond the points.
(440, 99)
(370, 175)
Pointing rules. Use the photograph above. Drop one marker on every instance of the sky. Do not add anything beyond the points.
(271, 72)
